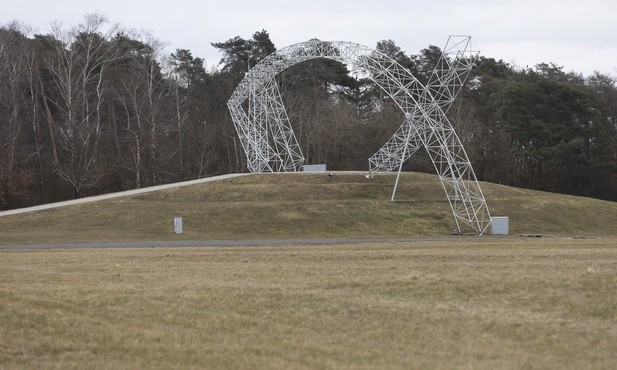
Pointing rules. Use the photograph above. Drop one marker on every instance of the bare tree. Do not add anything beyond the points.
(145, 97)
(156, 92)
(13, 111)
(78, 66)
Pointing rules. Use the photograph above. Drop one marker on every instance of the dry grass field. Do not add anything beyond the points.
(479, 303)
(465, 302)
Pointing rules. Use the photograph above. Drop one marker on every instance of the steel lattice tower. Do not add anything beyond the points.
(270, 145)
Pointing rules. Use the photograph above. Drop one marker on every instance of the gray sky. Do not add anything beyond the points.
(578, 35)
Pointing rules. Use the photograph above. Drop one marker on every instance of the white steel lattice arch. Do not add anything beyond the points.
(270, 145)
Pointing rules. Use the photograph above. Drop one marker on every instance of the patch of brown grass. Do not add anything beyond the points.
(303, 206)
(482, 303)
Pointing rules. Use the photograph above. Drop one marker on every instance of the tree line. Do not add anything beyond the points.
(96, 108)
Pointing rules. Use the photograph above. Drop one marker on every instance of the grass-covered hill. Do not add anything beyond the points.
(346, 205)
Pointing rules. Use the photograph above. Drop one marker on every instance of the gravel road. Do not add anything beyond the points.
(238, 243)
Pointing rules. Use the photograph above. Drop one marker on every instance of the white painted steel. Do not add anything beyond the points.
(270, 145)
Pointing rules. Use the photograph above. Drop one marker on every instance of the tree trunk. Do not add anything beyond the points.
(50, 125)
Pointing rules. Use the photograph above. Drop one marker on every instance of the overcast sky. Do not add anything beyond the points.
(578, 35)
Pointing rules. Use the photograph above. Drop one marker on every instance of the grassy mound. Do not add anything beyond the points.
(304, 206)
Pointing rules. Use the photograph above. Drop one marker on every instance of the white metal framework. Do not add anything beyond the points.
(270, 145)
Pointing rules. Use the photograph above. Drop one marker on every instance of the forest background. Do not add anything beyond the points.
(96, 108)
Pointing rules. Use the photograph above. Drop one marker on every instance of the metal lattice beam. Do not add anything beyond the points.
(270, 145)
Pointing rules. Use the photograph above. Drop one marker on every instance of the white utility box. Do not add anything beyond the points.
(178, 225)
(314, 168)
(499, 225)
